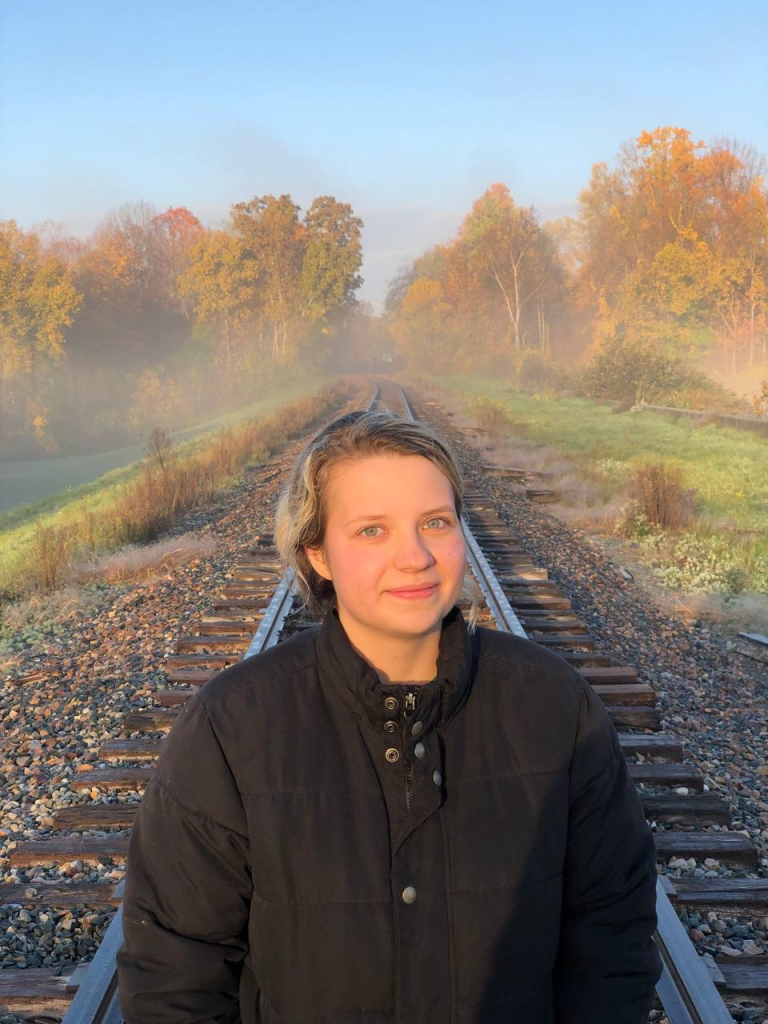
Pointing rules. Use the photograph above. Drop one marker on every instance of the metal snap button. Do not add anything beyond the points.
(390, 703)
(392, 754)
(390, 726)
(409, 894)
(437, 777)
(416, 728)
(419, 750)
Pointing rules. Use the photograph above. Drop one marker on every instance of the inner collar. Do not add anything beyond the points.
(347, 673)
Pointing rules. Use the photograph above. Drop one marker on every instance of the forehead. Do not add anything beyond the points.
(380, 484)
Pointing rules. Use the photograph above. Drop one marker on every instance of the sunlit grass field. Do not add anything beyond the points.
(101, 500)
(198, 435)
(726, 467)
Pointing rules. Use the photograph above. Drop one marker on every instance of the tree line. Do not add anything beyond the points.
(155, 318)
(154, 314)
(669, 248)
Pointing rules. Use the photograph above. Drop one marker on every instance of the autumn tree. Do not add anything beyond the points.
(38, 302)
(220, 282)
(422, 328)
(672, 244)
(332, 257)
(121, 275)
(177, 231)
(486, 296)
(514, 259)
(273, 246)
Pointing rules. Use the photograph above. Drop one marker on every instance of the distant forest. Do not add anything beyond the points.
(156, 319)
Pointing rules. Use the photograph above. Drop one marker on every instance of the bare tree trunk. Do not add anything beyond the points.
(506, 300)
(515, 268)
(543, 330)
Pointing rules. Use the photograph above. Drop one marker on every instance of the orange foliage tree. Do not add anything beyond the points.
(491, 293)
(672, 245)
(38, 302)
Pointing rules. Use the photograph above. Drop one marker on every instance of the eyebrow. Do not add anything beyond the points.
(429, 512)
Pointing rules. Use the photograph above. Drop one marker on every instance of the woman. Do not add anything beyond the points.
(395, 816)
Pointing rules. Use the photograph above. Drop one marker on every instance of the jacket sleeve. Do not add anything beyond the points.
(608, 964)
(188, 885)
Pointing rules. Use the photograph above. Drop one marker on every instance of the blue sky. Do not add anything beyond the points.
(407, 110)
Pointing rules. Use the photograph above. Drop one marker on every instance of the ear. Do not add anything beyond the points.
(318, 562)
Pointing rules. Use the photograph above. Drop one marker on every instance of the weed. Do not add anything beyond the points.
(658, 488)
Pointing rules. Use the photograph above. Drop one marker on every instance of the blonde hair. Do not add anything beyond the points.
(301, 515)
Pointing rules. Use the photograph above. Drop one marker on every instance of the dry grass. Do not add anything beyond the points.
(599, 518)
(658, 488)
(51, 556)
(167, 485)
(745, 612)
(136, 562)
(494, 418)
(61, 606)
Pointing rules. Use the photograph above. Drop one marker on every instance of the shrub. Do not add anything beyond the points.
(633, 523)
(159, 448)
(534, 370)
(642, 370)
(50, 556)
(493, 417)
(663, 499)
(760, 401)
(702, 565)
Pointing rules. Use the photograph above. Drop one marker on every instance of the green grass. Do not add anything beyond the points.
(727, 467)
(61, 502)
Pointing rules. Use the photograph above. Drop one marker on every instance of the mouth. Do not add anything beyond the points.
(416, 592)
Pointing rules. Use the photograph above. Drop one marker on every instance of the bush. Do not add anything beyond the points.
(642, 370)
(702, 565)
(633, 523)
(493, 417)
(659, 491)
(51, 556)
(535, 370)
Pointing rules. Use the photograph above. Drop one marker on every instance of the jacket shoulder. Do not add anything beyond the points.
(288, 658)
(526, 663)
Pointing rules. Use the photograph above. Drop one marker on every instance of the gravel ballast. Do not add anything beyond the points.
(70, 692)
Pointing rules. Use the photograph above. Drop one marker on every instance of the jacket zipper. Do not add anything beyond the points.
(411, 699)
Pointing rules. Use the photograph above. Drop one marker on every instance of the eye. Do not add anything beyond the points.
(363, 533)
(438, 519)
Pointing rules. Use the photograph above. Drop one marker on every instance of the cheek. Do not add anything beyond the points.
(454, 557)
(359, 569)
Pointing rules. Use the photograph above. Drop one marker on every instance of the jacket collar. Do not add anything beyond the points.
(344, 671)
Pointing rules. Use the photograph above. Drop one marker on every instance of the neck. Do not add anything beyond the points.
(395, 659)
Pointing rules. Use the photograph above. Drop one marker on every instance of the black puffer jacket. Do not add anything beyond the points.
(486, 859)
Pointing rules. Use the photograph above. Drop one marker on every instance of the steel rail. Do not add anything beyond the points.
(96, 1000)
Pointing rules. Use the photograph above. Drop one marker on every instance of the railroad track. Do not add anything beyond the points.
(253, 612)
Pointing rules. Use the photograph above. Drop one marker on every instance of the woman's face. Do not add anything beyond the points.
(392, 524)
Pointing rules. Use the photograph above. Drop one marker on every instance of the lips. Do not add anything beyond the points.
(417, 588)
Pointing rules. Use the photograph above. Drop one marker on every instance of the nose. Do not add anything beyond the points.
(412, 553)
